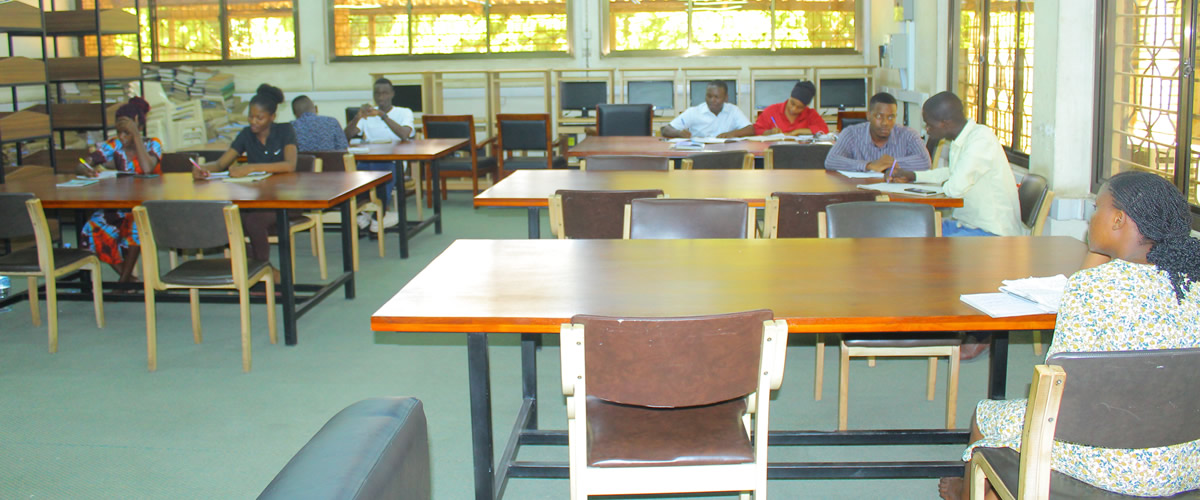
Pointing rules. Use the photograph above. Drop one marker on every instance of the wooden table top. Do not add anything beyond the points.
(531, 188)
(298, 190)
(594, 145)
(817, 285)
(415, 150)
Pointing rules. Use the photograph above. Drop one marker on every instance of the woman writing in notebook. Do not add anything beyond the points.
(793, 116)
(269, 147)
(111, 234)
(1144, 297)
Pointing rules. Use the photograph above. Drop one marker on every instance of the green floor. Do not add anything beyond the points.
(91, 422)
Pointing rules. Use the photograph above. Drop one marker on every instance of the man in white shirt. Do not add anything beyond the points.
(381, 122)
(713, 118)
(978, 173)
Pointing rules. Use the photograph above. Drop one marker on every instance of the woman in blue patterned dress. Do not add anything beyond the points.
(1144, 297)
(111, 234)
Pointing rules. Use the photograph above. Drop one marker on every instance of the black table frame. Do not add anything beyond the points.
(411, 228)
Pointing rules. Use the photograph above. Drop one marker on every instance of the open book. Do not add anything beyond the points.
(1021, 297)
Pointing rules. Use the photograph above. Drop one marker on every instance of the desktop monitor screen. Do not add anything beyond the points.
(408, 96)
(583, 95)
(699, 87)
(768, 92)
(660, 94)
(843, 93)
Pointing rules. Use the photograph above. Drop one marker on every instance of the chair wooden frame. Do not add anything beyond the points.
(748, 477)
(473, 147)
(551, 143)
(355, 209)
(1037, 437)
(557, 228)
(49, 273)
(747, 163)
(152, 282)
(751, 221)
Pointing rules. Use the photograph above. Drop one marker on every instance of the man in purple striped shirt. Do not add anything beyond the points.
(878, 144)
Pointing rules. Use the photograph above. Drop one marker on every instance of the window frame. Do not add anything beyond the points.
(223, 18)
(331, 44)
(606, 49)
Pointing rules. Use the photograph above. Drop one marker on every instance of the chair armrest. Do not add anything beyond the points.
(490, 141)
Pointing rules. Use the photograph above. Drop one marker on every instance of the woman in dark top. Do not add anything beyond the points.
(269, 147)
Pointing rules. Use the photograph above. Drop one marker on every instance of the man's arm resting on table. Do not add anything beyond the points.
(748, 130)
(669, 131)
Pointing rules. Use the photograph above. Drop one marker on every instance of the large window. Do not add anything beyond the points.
(444, 27)
(995, 68)
(1147, 115)
(207, 30)
(705, 25)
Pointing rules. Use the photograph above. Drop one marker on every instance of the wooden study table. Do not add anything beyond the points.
(594, 145)
(531, 188)
(279, 192)
(531, 287)
(420, 150)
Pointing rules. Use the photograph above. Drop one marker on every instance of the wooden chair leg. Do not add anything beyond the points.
(354, 232)
(474, 185)
(319, 237)
(379, 214)
(978, 481)
(33, 301)
(843, 388)
(1037, 342)
(952, 389)
(871, 361)
(312, 242)
(151, 328)
(819, 376)
(269, 279)
(194, 300)
(52, 312)
(98, 293)
(932, 378)
(292, 250)
(244, 309)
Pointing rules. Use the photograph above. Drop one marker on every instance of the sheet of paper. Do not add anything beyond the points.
(358, 149)
(708, 140)
(904, 189)
(1047, 291)
(861, 175)
(77, 183)
(218, 175)
(251, 177)
(103, 174)
(1002, 305)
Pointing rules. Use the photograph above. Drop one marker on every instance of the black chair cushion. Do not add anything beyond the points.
(532, 162)
(623, 436)
(464, 164)
(1006, 463)
(896, 341)
(25, 260)
(208, 272)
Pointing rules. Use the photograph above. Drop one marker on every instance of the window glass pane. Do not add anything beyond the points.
(370, 27)
(804, 24)
(122, 45)
(970, 48)
(188, 31)
(648, 24)
(528, 26)
(1001, 61)
(720, 24)
(261, 30)
(448, 27)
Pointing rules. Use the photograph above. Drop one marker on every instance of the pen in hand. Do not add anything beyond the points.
(776, 124)
(88, 171)
(890, 170)
(197, 170)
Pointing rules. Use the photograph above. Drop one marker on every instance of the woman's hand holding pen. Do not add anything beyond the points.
(198, 172)
(85, 170)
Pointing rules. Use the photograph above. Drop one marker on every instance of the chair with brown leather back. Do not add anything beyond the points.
(720, 160)
(678, 218)
(473, 161)
(581, 214)
(610, 163)
(796, 156)
(666, 405)
(526, 133)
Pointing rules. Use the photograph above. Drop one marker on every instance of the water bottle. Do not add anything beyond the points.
(4, 284)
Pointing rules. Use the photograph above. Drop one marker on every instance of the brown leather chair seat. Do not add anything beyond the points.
(25, 260)
(895, 341)
(622, 435)
(207, 272)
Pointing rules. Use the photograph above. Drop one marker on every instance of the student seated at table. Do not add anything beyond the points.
(878, 144)
(978, 173)
(713, 118)
(793, 116)
(112, 234)
(381, 122)
(315, 132)
(1145, 298)
(269, 147)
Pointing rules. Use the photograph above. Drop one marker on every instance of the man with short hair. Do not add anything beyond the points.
(315, 132)
(878, 144)
(713, 118)
(381, 122)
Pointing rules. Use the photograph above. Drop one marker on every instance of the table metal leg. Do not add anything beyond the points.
(401, 209)
(436, 193)
(998, 365)
(287, 284)
(348, 247)
(535, 222)
(529, 391)
(479, 380)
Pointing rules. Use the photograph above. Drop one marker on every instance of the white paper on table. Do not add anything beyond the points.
(77, 183)
(1046, 292)
(218, 175)
(769, 138)
(358, 150)
(1003, 305)
(100, 174)
(251, 177)
(861, 175)
(708, 140)
(904, 189)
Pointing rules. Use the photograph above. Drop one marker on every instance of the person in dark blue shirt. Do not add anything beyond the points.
(315, 132)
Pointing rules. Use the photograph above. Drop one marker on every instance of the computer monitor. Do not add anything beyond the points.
(843, 93)
(768, 92)
(408, 96)
(659, 93)
(698, 87)
(582, 95)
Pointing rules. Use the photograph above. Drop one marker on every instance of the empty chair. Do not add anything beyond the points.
(473, 162)
(199, 224)
(1119, 400)
(179, 162)
(795, 215)
(666, 405)
(850, 118)
(721, 160)
(796, 156)
(580, 214)
(526, 133)
(337, 161)
(1035, 197)
(867, 219)
(670, 218)
(625, 162)
(624, 119)
(21, 216)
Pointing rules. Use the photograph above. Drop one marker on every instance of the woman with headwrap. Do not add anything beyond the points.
(793, 116)
(1144, 297)
(111, 234)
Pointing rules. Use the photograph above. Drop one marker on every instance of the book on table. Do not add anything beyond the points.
(1021, 297)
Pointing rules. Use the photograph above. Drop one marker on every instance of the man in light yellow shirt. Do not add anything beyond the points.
(979, 173)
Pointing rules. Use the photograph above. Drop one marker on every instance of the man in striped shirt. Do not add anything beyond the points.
(878, 144)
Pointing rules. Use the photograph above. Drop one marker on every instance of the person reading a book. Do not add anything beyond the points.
(1145, 297)
(112, 234)
(269, 147)
(879, 143)
(383, 122)
(793, 116)
(713, 118)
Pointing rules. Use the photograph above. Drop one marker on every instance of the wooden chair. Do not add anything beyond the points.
(344, 162)
(1123, 400)
(721, 160)
(474, 164)
(609, 163)
(677, 218)
(867, 219)
(308, 221)
(578, 214)
(661, 405)
(526, 133)
(848, 118)
(21, 215)
(796, 156)
(1035, 197)
(178, 162)
(199, 224)
(625, 119)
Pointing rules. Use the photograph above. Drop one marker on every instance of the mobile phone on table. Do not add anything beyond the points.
(920, 191)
